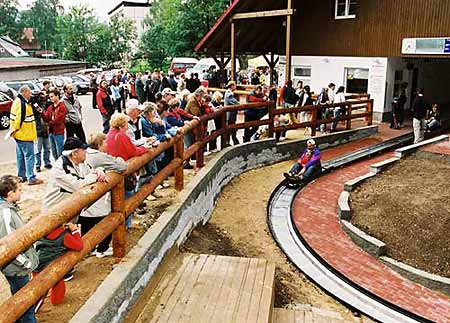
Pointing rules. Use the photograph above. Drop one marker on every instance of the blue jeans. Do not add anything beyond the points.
(25, 159)
(337, 112)
(56, 144)
(42, 143)
(15, 284)
(311, 173)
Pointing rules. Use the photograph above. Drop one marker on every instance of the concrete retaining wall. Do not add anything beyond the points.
(194, 205)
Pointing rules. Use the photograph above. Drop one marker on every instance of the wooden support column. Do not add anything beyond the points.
(118, 206)
(288, 42)
(233, 51)
(179, 174)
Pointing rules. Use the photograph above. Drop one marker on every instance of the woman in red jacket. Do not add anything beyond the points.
(55, 116)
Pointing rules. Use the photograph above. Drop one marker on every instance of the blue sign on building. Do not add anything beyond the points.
(447, 46)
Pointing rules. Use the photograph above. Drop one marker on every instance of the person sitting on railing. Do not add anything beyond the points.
(98, 158)
(308, 166)
(69, 174)
(338, 111)
(230, 99)
(256, 95)
(53, 246)
(17, 272)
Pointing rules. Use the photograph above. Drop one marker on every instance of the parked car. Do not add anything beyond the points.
(33, 85)
(5, 108)
(7, 90)
(80, 84)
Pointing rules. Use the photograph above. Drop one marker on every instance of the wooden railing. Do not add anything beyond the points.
(24, 237)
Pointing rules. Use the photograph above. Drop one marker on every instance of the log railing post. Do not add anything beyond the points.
(314, 121)
(118, 206)
(224, 137)
(272, 109)
(349, 120)
(179, 174)
(200, 137)
(370, 112)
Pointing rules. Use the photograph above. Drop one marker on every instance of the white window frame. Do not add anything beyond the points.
(347, 10)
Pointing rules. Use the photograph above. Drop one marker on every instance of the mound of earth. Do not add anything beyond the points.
(407, 207)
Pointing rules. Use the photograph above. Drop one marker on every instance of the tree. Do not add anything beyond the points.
(43, 16)
(176, 26)
(9, 19)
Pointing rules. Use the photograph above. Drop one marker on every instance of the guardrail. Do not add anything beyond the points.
(20, 240)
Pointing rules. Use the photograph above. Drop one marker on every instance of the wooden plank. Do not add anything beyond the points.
(283, 315)
(237, 269)
(183, 290)
(246, 292)
(164, 290)
(237, 281)
(257, 293)
(268, 294)
(225, 270)
(263, 14)
(308, 317)
(233, 52)
(201, 295)
(299, 317)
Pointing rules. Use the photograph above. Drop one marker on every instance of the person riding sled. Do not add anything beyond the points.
(308, 166)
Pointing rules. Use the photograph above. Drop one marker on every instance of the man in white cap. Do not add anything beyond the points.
(308, 166)
(168, 94)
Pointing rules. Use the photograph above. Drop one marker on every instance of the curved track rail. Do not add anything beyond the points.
(286, 235)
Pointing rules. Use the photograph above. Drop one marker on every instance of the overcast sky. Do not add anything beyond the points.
(100, 6)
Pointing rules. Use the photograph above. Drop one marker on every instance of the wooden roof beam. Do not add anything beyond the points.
(263, 14)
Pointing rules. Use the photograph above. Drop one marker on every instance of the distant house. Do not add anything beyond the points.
(134, 10)
(32, 46)
(9, 48)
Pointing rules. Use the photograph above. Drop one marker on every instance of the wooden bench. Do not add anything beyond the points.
(207, 288)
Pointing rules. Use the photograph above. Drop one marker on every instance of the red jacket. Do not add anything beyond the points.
(56, 118)
(184, 115)
(71, 241)
(120, 145)
(103, 101)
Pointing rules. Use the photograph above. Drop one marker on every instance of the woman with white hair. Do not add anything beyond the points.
(308, 166)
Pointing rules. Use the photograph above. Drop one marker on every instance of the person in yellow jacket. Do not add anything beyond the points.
(23, 130)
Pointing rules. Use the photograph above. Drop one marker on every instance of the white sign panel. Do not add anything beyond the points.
(426, 46)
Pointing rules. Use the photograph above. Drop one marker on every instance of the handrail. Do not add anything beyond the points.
(21, 239)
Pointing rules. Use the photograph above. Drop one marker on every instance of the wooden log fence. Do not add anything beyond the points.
(37, 228)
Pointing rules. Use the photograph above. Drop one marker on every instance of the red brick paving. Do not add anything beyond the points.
(314, 213)
(440, 148)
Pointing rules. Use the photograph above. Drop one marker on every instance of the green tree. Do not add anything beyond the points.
(9, 16)
(43, 16)
(175, 27)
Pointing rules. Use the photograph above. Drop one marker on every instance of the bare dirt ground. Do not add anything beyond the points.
(238, 228)
(407, 207)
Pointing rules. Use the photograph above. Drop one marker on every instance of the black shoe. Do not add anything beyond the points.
(38, 169)
(22, 179)
(287, 175)
(49, 166)
(68, 277)
(188, 166)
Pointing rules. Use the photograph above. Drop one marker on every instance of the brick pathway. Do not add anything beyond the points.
(440, 148)
(315, 217)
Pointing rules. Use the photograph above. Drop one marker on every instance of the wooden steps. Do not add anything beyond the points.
(307, 315)
(207, 288)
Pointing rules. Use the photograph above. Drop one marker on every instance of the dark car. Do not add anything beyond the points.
(80, 84)
(5, 108)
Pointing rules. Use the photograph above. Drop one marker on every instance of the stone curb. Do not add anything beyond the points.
(194, 205)
(368, 243)
(343, 209)
(383, 165)
(404, 151)
(354, 183)
(421, 277)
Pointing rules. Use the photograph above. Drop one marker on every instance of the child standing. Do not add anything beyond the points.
(17, 272)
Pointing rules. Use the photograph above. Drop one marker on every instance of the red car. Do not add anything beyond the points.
(5, 107)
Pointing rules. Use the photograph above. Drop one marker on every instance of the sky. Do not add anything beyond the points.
(100, 6)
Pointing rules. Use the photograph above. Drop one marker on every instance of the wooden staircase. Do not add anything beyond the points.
(306, 315)
(207, 288)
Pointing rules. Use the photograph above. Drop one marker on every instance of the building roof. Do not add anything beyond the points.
(129, 4)
(253, 36)
(10, 63)
(12, 47)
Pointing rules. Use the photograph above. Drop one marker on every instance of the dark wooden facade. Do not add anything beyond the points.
(377, 30)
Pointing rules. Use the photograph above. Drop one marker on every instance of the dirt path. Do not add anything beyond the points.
(238, 228)
(407, 207)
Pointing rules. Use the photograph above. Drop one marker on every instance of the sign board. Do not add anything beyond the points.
(426, 46)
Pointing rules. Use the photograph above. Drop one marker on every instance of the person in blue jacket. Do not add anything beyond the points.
(308, 166)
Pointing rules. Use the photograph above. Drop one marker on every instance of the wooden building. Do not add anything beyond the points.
(376, 46)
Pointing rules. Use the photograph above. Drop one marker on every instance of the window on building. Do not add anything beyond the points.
(345, 9)
(304, 71)
(357, 80)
